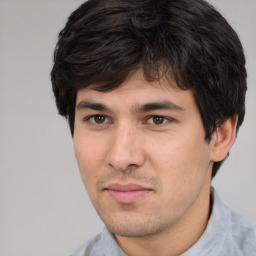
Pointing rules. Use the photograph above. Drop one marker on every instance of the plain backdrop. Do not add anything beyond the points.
(44, 209)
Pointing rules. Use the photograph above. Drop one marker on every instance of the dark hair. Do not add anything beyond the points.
(188, 41)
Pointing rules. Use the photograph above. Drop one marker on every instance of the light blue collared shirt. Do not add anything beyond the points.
(227, 234)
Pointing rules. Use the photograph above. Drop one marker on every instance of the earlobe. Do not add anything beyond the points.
(223, 139)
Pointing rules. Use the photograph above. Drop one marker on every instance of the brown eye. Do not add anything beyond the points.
(98, 119)
(158, 119)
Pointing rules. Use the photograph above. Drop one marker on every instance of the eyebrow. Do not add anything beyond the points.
(91, 105)
(168, 105)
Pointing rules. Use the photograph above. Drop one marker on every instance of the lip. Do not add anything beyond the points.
(127, 193)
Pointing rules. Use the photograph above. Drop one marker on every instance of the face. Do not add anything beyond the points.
(142, 155)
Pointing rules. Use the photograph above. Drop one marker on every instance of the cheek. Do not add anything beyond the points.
(183, 171)
(180, 162)
(89, 157)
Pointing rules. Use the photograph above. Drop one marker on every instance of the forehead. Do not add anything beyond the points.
(136, 90)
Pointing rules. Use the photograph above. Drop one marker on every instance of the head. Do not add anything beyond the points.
(149, 88)
(190, 43)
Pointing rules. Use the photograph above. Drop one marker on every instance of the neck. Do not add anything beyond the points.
(173, 240)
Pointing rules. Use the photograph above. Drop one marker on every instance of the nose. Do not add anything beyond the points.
(126, 149)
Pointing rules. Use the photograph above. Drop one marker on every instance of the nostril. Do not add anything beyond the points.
(124, 168)
(131, 166)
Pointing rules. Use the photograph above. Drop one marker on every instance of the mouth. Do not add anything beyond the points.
(127, 193)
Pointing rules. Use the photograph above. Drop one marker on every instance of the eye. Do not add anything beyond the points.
(97, 119)
(157, 120)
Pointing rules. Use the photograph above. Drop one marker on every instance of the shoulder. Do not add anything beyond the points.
(104, 244)
(92, 247)
(239, 235)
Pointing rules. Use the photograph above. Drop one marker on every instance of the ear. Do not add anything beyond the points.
(223, 138)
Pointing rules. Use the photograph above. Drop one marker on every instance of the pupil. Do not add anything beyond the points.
(158, 119)
(99, 119)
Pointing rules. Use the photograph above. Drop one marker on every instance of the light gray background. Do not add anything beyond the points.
(44, 207)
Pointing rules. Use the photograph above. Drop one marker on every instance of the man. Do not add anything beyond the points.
(154, 94)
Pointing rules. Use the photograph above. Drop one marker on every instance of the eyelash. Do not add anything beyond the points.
(91, 120)
(165, 120)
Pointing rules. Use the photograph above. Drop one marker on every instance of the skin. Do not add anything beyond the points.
(162, 149)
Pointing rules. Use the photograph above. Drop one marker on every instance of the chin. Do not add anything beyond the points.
(134, 226)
